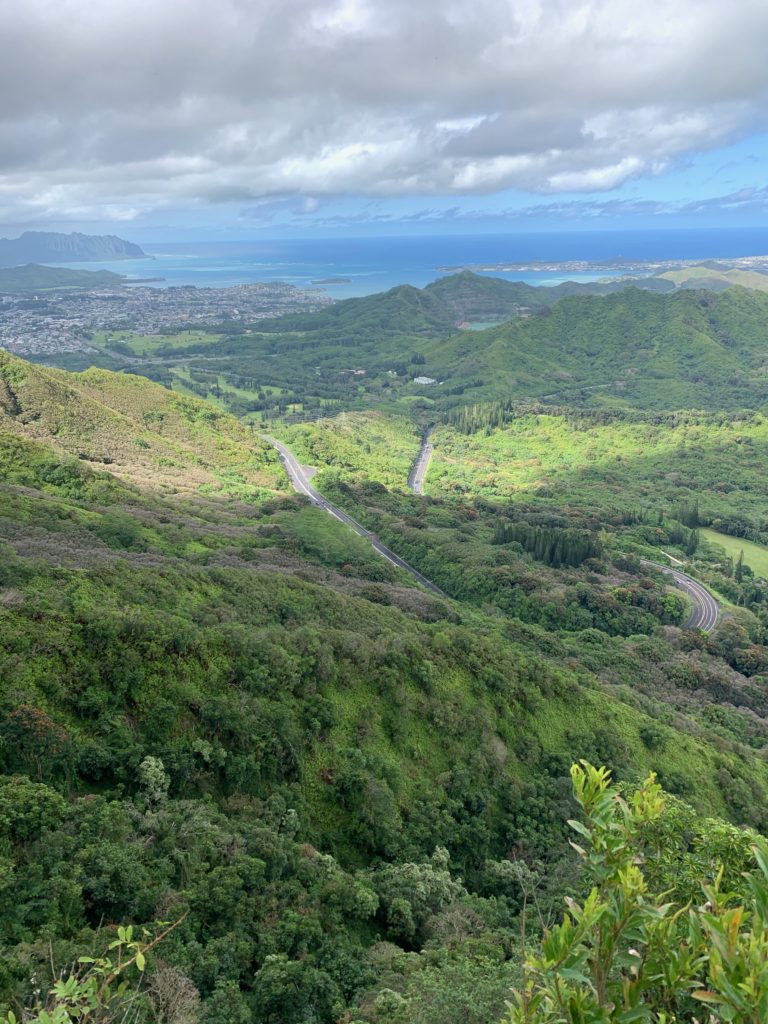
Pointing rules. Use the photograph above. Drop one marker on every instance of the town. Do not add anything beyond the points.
(65, 321)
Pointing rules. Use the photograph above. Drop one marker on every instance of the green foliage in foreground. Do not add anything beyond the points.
(636, 946)
(628, 953)
(103, 989)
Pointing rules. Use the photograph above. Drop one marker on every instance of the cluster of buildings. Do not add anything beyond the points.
(66, 321)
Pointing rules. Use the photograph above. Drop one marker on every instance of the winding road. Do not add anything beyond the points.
(706, 609)
(704, 614)
(301, 483)
(420, 466)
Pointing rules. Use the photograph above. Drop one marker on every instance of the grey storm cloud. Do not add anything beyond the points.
(119, 108)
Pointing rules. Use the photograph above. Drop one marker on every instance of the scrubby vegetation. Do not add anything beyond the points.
(222, 711)
(635, 949)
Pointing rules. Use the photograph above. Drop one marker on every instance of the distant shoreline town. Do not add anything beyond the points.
(65, 321)
(758, 264)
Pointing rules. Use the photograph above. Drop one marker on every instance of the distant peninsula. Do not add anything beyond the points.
(34, 278)
(54, 247)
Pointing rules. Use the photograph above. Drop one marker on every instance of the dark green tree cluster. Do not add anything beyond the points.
(551, 545)
(469, 419)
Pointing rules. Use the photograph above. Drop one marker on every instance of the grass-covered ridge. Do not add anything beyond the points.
(33, 277)
(142, 431)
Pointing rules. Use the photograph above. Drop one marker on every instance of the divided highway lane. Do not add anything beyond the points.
(705, 608)
(419, 471)
(298, 477)
(705, 611)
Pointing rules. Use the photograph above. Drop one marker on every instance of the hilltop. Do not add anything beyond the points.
(55, 247)
(480, 297)
(401, 310)
(146, 434)
(36, 278)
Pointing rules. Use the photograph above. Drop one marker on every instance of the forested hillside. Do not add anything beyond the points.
(236, 711)
(222, 710)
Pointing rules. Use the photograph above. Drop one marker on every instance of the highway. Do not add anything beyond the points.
(705, 610)
(704, 614)
(300, 480)
(419, 471)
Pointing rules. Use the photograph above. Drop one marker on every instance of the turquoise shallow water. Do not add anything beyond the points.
(375, 264)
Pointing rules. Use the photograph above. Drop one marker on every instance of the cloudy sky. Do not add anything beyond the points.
(237, 118)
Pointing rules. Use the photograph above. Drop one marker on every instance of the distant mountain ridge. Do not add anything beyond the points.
(55, 247)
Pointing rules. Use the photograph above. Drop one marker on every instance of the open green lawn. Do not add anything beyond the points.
(150, 344)
(755, 555)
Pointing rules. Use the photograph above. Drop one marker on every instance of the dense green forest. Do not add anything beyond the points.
(686, 349)
(226, 723)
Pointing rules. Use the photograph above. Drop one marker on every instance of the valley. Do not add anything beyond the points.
(298, 652)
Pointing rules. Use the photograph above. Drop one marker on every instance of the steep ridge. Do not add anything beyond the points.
(142, 431)
(55, 247)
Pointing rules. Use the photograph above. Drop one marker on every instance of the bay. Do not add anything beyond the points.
(373, 264)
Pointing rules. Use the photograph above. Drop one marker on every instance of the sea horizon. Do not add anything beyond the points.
(358, 266)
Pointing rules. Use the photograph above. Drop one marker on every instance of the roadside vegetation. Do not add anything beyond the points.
(224, 717)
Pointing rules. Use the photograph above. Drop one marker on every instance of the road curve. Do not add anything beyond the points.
(298, 477)
(419, 471)
(705, 611)
(705, 608)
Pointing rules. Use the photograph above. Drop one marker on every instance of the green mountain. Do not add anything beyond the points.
(401, 310)
(220, 707)
(479, 297)
(54, 247)
(35, 278)
(687, 349)
(143, 432)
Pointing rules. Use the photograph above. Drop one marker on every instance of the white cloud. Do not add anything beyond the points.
(125, 107)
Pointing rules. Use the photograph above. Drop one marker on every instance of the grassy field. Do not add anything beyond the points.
(755, 555)
(610, 462)
(744, 278)
(151, 344)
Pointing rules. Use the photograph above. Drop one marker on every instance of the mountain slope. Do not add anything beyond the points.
(54, 247)
(688, 349)
(143, 432)
(35, 278)
(236, 716)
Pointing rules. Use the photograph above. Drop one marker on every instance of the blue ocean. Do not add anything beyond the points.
(370, 265)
